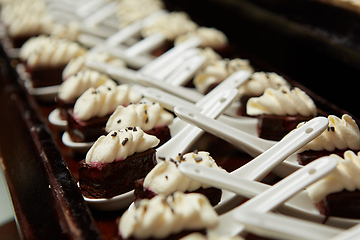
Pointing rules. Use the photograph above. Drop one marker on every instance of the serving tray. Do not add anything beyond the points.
(42, 173)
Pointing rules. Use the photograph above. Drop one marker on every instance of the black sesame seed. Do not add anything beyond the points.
(130, 128)
(109, 88)
(332, 129)
(147, 119)
(162, 158)
(135, 129)
(119, 121)
(198, 159)
(125, 141)
(114, 134)
(166, 177)
(196, 151)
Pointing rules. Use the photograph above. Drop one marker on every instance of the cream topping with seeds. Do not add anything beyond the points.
(165, 177)
(45, 51)
(77, 64)
(170, 25)
(102, 101)
(282, 102)
(77, 84)
(210, 37)
(162, 216)
(145, 115)
(341, 134)
(346, 176)
(259, 81)
(217, 71)
(118, 145)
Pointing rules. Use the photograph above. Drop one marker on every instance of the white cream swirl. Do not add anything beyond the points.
(341, 134)
(210, 37)
(77, 64)
(144, 115)
(259, 81)
(77, 84)
(217, 71)
(346, 176)
(101, 101)
(281, 102)
(162, 216)
(49, 51)
(26, 18)
(130, 11)
(165, 177)
(69, 31)
(118, 145)
(170, 25)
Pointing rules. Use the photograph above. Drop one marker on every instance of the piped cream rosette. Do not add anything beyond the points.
(165, 178)
(145, 115)
(162, 216)
(346, 176)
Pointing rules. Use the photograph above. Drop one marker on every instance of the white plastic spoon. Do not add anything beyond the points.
(267, 200)
(181, 142)
(244, 141)
(132, 29)
(350, 234)
(275, 153)
(300, 205)
(278, 226)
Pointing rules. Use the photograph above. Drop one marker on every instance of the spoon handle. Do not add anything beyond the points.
(260, 166)
(277, 194)
(160, 62)
(283, 227)
(184, 139)
(244, 141)
(146, 45)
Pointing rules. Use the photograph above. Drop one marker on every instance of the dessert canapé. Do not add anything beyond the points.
(77, 64)
(170, 26)
(338, 193)
(25, 19)
(165, 216)
(86, 122)
(115, 161)
(255, 86)
(341, 135)
(151, 118)
(46, 57)
(210, 37)
(71, 89)
(165, 178)
(280, 111)
(217, 71)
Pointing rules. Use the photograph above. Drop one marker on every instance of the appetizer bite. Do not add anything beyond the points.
(165, 178)
(341, 135)
(150, 117)
(115, 161)
(280, 111)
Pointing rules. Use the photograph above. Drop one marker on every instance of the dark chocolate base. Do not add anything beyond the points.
(213, 194)
(162, 133)
(112, 179)
(85, 131)
(243, 100)
(45, 77)
(342, 204)
(64, 107)
(306, 157)
(273, 127)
